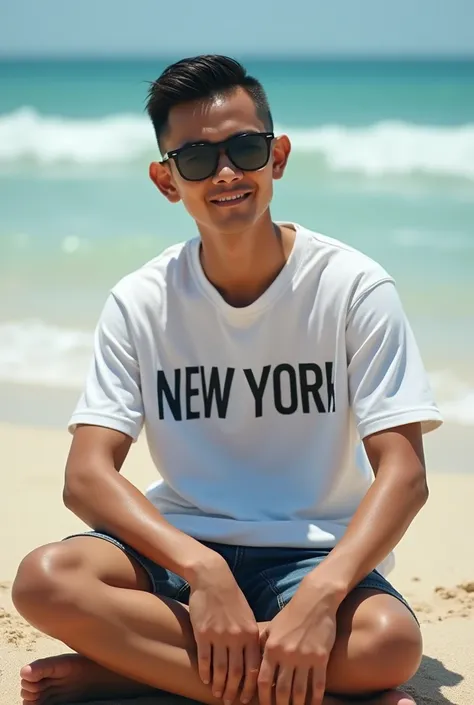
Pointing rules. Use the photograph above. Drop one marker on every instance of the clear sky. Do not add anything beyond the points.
(243, 27)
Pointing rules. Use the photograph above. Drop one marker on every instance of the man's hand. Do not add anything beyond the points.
(227, 635)
(297, 646)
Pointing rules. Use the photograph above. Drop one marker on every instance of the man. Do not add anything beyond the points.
(256, 356)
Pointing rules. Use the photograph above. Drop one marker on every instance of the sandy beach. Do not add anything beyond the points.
(433, 568)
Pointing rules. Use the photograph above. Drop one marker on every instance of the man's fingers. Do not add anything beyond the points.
(235, 672)
(264, 634)
(219, 669)
(265, 681)
(252, 668)
(318, 684)
(204, 660)
(284, 685)
(300, 686)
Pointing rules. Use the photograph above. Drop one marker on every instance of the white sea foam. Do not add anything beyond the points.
(385, 148)
(33, 352)
(455, 397)
(444, 241)
(25, 135)
(392, 148)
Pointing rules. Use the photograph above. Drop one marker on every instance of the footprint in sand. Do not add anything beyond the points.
(461, 598)
(422, 607)
(447, 602)
(467, 587)
(15, 632)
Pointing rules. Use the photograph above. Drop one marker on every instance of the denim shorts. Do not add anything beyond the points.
(268, 577)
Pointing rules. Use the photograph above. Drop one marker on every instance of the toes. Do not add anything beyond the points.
(27, 673)
(38, 686)
(37, 671)
(52, 667)
(48, 696)
(48, 681)
(41, 697)
(30, 686)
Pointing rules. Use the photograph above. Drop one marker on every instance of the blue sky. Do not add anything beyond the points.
(244, 27)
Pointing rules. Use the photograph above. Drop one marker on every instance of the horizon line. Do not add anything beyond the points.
(292, 56)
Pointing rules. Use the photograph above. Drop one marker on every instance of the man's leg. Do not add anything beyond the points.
(378, 646)
(90, 595)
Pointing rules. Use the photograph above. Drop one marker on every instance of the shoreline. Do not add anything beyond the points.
(449, 449)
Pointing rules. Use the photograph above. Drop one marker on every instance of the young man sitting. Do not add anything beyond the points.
(257, 356)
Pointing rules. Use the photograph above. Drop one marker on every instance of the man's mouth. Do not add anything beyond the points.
(232, 199)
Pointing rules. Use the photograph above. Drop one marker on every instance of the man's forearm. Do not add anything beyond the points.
(381, 520)
(107, 501)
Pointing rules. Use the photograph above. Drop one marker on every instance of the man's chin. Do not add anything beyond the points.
(234, 226)
(231, 222)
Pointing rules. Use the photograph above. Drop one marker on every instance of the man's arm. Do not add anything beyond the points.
(108, 417)
(98, 494)
(396, 496)
(392, 404)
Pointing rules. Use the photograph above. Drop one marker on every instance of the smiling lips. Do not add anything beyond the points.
(231, 199)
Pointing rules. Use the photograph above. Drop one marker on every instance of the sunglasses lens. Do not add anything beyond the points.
(198, 162)
(249, 152)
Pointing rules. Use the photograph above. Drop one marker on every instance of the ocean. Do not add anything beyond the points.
(383, 159)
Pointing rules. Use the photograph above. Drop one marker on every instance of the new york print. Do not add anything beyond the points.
(197, 392)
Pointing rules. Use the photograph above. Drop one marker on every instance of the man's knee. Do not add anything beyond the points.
(394, 647)
(46, 582)
(381, 651)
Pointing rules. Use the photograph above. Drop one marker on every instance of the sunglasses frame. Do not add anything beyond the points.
(174, 153)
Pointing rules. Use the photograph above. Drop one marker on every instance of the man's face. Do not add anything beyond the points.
(216, 120)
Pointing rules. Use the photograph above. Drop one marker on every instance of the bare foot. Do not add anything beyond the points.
(71, 677)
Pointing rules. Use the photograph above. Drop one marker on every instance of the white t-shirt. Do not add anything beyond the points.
(254, 415)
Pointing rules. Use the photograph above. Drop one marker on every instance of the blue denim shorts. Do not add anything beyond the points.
(268, 577)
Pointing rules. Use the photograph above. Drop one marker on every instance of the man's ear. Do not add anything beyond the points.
(163, 180)
(281, 153)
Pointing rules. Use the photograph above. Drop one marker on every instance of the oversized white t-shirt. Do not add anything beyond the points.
(254, 415)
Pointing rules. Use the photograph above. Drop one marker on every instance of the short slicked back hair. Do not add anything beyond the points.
(201, 78)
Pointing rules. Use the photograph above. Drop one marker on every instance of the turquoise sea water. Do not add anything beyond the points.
(383, 158)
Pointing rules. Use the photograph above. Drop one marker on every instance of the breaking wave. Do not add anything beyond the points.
(385, 148)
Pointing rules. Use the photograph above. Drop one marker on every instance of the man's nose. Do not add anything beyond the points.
(226, 171)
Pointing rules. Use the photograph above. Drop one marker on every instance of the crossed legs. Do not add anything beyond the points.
(91, 596)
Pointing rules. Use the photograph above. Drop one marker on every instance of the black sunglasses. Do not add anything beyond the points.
(199, 161)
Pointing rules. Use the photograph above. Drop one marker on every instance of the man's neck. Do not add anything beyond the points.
(242, 266)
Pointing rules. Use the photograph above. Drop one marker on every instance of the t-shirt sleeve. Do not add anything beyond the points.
(388, 384)
(112, 396)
